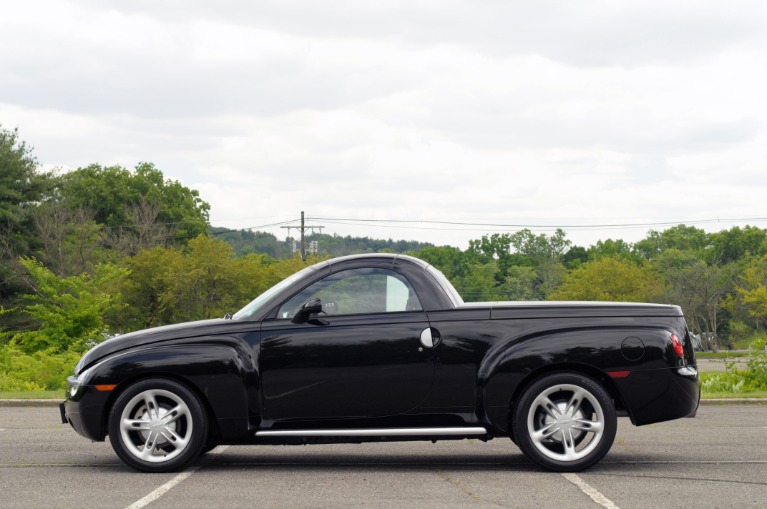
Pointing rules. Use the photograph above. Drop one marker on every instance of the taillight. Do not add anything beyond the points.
(678, 350)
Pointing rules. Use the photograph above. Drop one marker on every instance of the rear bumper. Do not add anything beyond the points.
(659, 395)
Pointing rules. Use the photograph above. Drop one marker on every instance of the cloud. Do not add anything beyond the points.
(544, 113)
(591, 32)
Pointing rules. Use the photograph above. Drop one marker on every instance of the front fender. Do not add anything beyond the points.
(216, 372)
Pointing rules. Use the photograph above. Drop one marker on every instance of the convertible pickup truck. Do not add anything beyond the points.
(381, 348)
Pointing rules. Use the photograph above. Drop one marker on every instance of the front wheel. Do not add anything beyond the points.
(157, 425)
(565, 422)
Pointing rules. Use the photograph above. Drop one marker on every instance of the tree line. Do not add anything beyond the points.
(103, 250)
(247, 241)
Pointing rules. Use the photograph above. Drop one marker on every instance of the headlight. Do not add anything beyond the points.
(73, 386)
(74, 383)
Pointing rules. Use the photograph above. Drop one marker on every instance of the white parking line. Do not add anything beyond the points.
(162, 490)
(586, 488)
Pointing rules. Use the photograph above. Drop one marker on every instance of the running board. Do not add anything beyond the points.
(380, 432)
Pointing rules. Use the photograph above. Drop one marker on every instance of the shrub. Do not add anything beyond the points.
(39, 371)
(751, 379)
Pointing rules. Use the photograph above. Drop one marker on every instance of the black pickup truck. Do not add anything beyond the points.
(382, 348)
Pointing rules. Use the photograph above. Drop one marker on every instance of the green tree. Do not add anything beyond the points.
(206, 280)
(70, 242)
(699, 288)
(610, 279)
(540, 247)
(449, 260)
(736, 243)
(752, 287)
(612, 249)
(144, 288)
(479, 284)
(522, 249)
(574, 257)
(210, 281)
(521, 284)
(140, 208)
(21, 187)
(68, 312)
(681, 237)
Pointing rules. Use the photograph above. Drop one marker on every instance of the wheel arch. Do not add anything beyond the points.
(513, 364)
(592, 372)
(213, 428)
(215, 374)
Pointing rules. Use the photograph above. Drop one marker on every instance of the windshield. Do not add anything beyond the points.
(262, 299)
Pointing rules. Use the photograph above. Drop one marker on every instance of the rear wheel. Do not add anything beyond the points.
(157, 425)
(565, 422)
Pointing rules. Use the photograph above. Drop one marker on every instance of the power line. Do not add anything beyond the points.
(387, 223)
(250, 228)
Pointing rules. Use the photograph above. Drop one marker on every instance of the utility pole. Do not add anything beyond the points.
(302, 229)
(303, 244)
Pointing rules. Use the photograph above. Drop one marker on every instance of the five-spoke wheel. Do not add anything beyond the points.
(565, 422)
(157, 425)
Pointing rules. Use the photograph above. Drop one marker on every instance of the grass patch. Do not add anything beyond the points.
(32, 395)
(730, 395)
(721, 355)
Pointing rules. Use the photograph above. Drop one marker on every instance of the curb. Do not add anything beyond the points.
(55, 402)
(30, 402)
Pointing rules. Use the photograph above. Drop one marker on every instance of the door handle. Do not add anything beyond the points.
(430, 337)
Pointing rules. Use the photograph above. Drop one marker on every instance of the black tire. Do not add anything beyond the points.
(158, 425)
(565, 422)
(208, 448)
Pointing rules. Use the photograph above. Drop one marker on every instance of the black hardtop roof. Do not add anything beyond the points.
(389, 257)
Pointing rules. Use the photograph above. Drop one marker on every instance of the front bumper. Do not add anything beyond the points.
(87, 414)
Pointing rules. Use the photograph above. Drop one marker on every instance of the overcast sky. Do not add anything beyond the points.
(539, 113)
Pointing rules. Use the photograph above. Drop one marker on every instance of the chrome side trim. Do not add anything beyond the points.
(384, 432)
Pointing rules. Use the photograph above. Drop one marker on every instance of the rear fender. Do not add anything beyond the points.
(596, 352)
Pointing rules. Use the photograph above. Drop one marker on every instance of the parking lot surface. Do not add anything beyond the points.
(718, 459)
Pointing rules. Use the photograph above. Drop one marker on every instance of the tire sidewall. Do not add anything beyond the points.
(520, 416)
(199, 428)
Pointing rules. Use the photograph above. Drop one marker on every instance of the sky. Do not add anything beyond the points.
(438, 121)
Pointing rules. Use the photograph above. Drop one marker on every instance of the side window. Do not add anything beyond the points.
(357, 291)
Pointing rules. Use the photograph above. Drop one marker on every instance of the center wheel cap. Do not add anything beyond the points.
(157, 427)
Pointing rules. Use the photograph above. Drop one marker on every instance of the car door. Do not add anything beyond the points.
(361, 357)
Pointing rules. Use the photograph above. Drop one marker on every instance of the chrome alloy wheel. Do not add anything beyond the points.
(156, 425)
(565, 422)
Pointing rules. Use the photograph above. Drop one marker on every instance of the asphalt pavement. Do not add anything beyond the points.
(718, 459)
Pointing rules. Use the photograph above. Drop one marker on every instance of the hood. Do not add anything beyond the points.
(161, 334)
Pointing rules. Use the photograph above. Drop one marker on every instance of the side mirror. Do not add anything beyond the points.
(311, 307)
